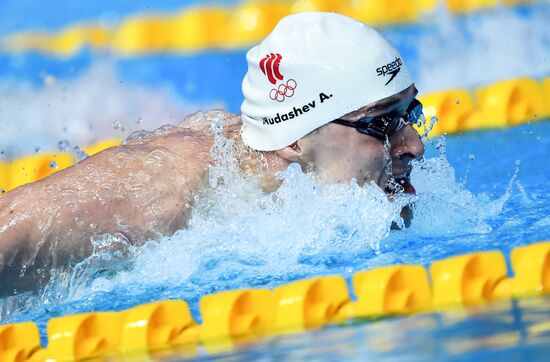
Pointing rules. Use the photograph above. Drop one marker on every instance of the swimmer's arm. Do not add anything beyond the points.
(18, 232)
(140, 192)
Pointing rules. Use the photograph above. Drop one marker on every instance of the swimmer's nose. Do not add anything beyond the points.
(406, 144)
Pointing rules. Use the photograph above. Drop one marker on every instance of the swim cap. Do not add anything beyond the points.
(314, 67)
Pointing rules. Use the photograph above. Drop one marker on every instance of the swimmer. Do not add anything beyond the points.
(322, 90)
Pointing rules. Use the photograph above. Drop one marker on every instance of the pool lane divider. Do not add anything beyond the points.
(236, 316)
(31, 168)
(499, 105)
(222, 27)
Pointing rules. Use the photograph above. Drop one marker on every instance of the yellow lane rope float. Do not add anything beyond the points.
(234, 316)
(502, 104)
(221, 27)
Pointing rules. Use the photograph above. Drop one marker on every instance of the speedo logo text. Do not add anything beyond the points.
(392, 69)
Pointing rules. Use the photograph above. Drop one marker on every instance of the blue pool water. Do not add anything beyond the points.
(476, 191)
(509, 331)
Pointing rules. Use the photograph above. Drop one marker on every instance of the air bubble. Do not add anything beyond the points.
(471, 157)
(37, 149)
(53, 165)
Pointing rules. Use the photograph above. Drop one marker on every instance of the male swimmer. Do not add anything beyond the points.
(322, 90)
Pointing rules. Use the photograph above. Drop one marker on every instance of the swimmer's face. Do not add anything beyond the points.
(338, 153)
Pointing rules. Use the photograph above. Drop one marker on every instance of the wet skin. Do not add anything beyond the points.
(338, 153)
(141, 191)
(144, 188)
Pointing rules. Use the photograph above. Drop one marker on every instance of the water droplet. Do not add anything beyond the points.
(37, 149)
(2, 190)
(117, 125)
(440, 145)
(63, 145)
(457, 101)
(139, 120)
(80, 154)
(53, 165)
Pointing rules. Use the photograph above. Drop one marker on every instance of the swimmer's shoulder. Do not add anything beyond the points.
(190, 141)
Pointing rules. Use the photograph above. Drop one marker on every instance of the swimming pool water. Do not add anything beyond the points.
(507, 331)
(477, 191)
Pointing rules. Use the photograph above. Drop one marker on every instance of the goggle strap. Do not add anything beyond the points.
(343, 122)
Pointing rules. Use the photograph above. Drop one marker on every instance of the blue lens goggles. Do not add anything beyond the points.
(380, 127)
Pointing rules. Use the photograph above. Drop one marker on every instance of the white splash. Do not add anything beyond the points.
(240, 236)
(239, 233)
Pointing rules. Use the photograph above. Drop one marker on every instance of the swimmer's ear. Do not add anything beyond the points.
(291, 153)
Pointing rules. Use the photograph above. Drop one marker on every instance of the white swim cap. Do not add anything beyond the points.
(313, 68)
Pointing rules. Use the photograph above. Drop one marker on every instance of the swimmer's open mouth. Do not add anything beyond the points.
(408, 188)
(401, 184)
(397, 185)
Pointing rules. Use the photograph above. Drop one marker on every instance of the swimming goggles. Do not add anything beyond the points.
(380, 127)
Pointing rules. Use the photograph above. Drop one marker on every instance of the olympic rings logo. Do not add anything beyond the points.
(283, 91)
